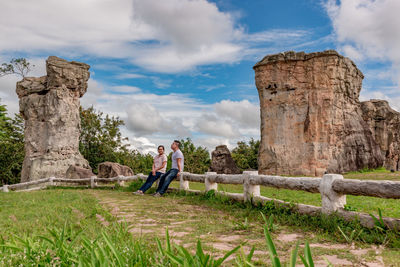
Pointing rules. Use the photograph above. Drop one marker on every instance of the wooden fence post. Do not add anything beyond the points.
(5, 188)
(183, 184)
(210, 185)
(331, 201)
(93, 184)
(250, 190)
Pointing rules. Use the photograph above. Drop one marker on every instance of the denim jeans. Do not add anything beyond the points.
(150, 180)
(166, 179)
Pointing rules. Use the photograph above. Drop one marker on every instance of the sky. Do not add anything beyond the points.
(174, 69)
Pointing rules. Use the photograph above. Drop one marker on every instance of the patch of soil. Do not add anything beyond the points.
(140, 231)
(329, 246)
(78, 213)
(13, 218)
(334, 260)
(359, 252)
(288, 237)
(177, 234)
(229, 238)
(223, 246)
(103, 221)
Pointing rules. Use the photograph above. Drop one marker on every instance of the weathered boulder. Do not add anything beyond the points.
(76, 172)
(311, 119)
(222, 161)
(50, 108)
(112, 169)
(384, 123)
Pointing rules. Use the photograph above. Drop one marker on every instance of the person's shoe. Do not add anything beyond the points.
(140, 193)
(157, 195)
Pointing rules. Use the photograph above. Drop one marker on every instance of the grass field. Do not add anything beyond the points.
(133, 222)
(220, 226)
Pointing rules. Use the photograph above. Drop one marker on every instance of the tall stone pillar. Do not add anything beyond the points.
(50, 107)
(311, 120)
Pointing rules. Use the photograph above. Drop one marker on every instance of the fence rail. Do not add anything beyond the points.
(332, 187)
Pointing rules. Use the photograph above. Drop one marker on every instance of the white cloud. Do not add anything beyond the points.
(367, 29)
(210, 124)
(165, 36)
(124, 76)
(242, 112)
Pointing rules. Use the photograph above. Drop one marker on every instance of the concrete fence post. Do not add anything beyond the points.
(51, 181)
(210, 185)
(183, 184)
(331, 201)
(93, 184)
(250, 190)
(5, 188)
(120, 181)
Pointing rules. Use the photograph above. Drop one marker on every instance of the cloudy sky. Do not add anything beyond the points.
(183, 68)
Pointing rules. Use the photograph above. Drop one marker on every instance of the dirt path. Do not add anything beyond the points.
(148, 217)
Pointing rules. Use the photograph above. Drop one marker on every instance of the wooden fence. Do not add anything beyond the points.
(332, 187)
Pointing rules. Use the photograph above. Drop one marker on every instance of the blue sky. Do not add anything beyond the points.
(183, 68)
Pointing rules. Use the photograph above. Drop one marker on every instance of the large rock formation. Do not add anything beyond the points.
(222, 161)
(311, 119)
(50, 107)
(111, 169)
(384, 123)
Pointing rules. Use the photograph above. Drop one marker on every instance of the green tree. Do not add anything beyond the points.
(101, 140)
(11, 147)
(245, 154)
(19, 66)
(197, 159)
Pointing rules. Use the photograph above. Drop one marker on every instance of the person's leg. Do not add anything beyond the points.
(168, 177)
(149, 182)
(162, 179)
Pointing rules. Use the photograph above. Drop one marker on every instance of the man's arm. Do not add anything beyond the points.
(179, 161)
(153, 171)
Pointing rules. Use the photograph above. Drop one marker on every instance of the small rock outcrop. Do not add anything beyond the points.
(112, 169)
(76, 172)
(222, 161)
(311, 117)
(50, 108)
(384, 123)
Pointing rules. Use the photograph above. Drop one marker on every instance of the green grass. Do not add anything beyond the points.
(27, 213)
(202, 214)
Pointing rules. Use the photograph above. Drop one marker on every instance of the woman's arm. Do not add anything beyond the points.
(162, 166)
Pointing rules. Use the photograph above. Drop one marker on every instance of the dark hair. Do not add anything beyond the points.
(163, 148)
(178, 143)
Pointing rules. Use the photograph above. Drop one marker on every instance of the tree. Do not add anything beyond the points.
(101, 140)
(19, 66)
(246, 155)
(197, 159)
(11, 147)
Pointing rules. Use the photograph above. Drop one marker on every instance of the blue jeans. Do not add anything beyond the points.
(150, 180)
(166, 179)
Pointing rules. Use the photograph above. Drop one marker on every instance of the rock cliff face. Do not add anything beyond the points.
(222, 161)
(50, 107)
(384, 123)
(311, 118)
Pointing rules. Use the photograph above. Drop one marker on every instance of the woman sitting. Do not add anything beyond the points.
(159, 167)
